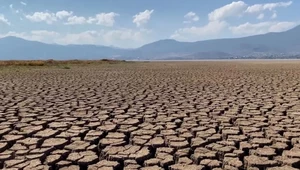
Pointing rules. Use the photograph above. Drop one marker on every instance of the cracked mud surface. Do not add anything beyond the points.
(152, 116)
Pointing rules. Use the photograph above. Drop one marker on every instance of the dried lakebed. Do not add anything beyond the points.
(151, 116)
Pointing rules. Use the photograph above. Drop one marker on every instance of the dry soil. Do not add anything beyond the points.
(230, 115)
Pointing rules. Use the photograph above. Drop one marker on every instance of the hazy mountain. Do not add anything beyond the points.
(282, 42)
(17, 48)
(270, 43)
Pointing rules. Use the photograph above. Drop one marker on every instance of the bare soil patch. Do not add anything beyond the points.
(152, 115)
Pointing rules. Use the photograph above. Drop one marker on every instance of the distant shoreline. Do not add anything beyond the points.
(73, 61)
(217, 60)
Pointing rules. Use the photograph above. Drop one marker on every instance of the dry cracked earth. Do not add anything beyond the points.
(152, 116)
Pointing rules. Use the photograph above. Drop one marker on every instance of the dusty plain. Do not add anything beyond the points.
(208, 115)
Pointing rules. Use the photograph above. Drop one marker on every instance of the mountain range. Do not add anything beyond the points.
(274, 44)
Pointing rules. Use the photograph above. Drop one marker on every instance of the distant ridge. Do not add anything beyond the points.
(271, 44)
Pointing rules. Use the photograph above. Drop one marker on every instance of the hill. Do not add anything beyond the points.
(270, 44)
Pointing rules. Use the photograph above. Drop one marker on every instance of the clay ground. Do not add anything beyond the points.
(152, 115)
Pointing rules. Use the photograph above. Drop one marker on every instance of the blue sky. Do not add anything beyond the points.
(132, 23)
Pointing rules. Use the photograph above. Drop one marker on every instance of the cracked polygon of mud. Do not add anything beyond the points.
(166, 115)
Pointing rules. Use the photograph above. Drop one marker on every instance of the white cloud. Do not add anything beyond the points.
(268, 6)
(11, 6)
(239, 8)
(45, 33)
(261, 16)
(47, 17)
(142, 17)
(121, 37)
(105, 19)
(191, 17)
(75, 20)
(217, 21)
(23, 3)
(42, 36)
(282, 26)
(261, 28)
(211, 30)
(63, 14)
(232, 9)
(86, 37)
(125, 34)
(4, 20)
(274, 15)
